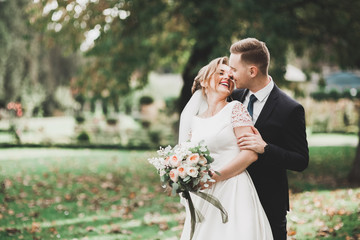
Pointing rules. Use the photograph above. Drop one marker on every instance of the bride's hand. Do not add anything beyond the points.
(252, 141)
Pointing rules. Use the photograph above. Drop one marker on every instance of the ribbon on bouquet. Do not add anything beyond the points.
(193, 212)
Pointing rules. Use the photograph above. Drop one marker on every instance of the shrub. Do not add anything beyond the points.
(80, 119)
(111, 121)
(145, 100)
(83, 137)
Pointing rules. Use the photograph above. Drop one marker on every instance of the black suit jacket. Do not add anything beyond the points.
(281, 124)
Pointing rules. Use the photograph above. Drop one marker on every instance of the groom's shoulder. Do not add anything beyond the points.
(237, 94)
(286, 99)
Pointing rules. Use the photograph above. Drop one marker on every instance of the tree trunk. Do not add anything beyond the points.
(354, 175)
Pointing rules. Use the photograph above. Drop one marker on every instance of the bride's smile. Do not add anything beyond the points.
(225, 83)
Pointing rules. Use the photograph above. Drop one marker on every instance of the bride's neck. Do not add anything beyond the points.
(214, 105)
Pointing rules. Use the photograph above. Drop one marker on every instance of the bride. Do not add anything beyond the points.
(209, 117)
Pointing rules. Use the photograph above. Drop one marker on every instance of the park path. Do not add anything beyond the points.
(332, 140)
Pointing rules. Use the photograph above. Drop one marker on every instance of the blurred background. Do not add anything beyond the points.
(90, 88)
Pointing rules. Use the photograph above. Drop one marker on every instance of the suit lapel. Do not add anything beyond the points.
(271, 102)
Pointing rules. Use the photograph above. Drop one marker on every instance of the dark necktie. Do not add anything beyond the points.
(250, 107)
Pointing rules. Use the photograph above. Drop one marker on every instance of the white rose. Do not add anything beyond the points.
(192, 171)
(193, 159)
(175, 161)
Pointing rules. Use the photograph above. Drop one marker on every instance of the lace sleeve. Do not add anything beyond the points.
(240, 116)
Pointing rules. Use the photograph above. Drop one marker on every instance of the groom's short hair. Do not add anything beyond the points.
(253, 51)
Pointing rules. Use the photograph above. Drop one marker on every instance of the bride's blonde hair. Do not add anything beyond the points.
(206, 73)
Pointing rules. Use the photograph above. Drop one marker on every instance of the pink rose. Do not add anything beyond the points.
(174, 175)
(193, 159)
(182, 171)
(174, 161)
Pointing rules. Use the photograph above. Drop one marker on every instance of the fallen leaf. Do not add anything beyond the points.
(132, 195)
(115, 229)
(163, 226)
(341, 212)
(12, 230)
(67, 197)
(53, 230)
(90, 229)
(291, 233)
(338, 226)
(7, 183)
(35, 227)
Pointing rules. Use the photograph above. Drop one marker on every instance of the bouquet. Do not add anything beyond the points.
(186, 168)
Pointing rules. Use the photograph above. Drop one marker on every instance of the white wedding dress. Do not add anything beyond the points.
(246, 217)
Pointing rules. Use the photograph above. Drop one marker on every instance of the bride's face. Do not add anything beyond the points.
(221, 82)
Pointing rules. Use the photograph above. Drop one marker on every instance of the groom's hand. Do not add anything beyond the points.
(252, 141)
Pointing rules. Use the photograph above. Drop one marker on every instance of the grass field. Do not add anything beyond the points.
(108, 194)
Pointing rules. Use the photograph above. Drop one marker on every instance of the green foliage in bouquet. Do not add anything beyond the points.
(186, 168)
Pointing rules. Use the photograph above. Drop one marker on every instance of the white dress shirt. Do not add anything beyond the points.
(261, 95)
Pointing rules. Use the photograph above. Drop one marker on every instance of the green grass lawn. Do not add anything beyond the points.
(108, 194)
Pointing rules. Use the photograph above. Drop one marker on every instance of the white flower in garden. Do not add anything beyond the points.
(192, 171)
(174, 175)
(182, 171)
(193, 159)
(175, 161)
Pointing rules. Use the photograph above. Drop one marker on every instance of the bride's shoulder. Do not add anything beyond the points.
(239, 115)
(236, 103)
(237, 107)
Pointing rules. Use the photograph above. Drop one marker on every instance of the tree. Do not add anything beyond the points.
(29, 72)
(354, 175)
(130, 41)
(134, 37)
(14, 63)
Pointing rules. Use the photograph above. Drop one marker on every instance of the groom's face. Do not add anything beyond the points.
(239, 71)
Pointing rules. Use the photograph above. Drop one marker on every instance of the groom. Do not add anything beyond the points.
(279, 137)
